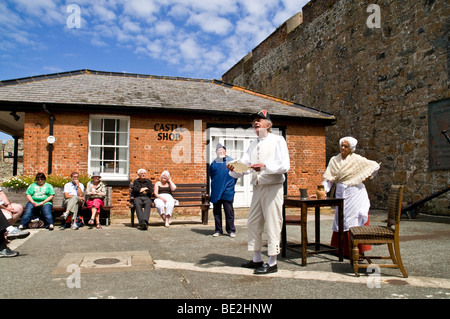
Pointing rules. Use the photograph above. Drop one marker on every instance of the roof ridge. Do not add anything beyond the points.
(95, 72)
(271, 97)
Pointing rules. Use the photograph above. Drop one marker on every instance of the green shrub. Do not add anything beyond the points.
(52, 179)
(19, 182)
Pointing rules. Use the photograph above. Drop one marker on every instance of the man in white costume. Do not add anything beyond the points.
(268, 158)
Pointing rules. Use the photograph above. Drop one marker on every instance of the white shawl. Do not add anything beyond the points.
(351, 171)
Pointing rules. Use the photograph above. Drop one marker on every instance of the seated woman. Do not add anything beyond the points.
(163, 197)
(39, 195)
(95, 195)
(348, 171)
(11, 211)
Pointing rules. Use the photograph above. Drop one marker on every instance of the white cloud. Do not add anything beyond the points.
(190, 49)
(211, 23)
(202, 36)
(102, 13)
(132, 27)
(164, 27)
(141, 8)
(47, 11)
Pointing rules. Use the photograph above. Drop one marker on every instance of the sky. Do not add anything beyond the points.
(187, 38)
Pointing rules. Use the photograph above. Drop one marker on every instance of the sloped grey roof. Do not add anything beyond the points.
(131, 91)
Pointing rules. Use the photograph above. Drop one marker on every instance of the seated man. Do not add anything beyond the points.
(73, 198)
(142, 192)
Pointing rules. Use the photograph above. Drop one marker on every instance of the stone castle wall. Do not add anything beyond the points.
(378, 82)
(6, 164)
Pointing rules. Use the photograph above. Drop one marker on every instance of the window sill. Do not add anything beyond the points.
(116, 182)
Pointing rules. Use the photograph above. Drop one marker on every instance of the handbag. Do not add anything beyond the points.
(36, 224)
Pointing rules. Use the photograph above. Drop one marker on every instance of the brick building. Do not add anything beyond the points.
(118, 123)
(382, 68)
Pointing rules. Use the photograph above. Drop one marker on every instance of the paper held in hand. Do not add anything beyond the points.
(239, 167)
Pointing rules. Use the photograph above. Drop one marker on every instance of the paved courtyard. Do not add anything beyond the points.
(184, 263)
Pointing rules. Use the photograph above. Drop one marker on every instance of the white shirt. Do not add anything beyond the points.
(273, 152)
(71, 188)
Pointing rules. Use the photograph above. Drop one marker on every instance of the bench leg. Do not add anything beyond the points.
(205, 216)
(132, 217)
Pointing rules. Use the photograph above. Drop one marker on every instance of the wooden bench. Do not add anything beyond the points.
(18, 196)
(188, 195)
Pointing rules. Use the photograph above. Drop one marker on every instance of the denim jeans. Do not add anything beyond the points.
(31, 211)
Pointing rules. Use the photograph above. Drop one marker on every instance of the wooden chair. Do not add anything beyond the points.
(380, 235)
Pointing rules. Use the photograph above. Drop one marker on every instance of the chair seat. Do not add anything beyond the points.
(372, 232)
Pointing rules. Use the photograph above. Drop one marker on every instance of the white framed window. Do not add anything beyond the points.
(109, 139)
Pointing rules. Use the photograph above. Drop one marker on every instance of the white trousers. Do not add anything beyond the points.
(266, 208)
(167, 207)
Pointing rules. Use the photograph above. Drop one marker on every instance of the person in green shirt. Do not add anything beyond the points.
(39, 195)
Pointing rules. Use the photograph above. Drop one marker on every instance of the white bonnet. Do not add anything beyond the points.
(351, 141)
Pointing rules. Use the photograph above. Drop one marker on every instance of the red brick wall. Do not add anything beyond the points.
(146, 151)
(70, 150)
(306, 146)
(306, 143)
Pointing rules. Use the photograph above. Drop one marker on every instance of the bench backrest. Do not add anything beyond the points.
(185, 193)
(191, 193)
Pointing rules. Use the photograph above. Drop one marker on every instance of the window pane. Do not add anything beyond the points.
(122, 167)
(95, 153)
(109, 139)
(96, 138)
(108, 167)
(109, 125)
(122, 139)
(95, 166)
(122, 126)
(109, 153)
(96, 124)
(123, 154)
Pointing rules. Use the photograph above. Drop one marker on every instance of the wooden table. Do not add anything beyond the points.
(304, 204)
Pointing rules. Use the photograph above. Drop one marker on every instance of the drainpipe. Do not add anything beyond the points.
(50, 145)
(16, 155)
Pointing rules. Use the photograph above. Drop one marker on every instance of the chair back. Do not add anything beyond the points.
(395, 204)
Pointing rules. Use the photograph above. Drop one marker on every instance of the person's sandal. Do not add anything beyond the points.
(91, 222)
(99, 226)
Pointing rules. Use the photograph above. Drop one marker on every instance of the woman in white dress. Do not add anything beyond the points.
(348, 171)
(164, 202)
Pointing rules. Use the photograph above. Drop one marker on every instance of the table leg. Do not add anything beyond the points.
(304, 214)
(317, 222)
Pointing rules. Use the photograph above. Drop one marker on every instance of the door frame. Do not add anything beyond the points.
(282, 130)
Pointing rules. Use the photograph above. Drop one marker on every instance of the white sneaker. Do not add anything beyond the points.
(217, 234)
(17, 233)
(74, 226)
(232, 235)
